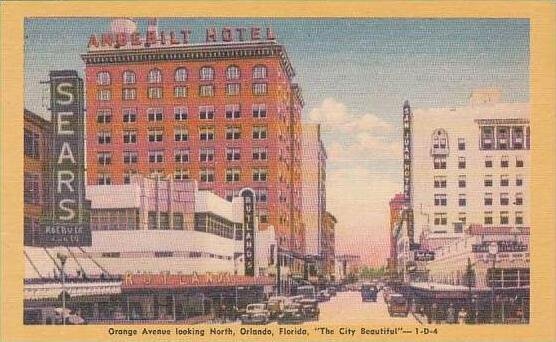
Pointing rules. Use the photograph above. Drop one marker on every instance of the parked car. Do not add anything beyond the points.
(310, 309)
(398, 305)
(307, 291)
(293, 313)
(255, 313)
(323, 296)
(368, 292)
(295, 299)
(332, 291)
(275, 305)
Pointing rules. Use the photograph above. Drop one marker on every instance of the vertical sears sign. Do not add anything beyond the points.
(408, 210)
(249, 231)
(67, 218)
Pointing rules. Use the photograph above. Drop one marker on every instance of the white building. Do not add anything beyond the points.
(470, 165)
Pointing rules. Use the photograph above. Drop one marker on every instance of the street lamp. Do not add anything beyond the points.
(492, 251)
(63, 258)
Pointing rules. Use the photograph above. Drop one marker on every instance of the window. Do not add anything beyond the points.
(462, 218)
(156, 156)
(180, 134)
(518, 218)
(156, 173)
(233, 111)
(129, 93)
(128, 77)
(504, 161)
(488, 199)
(31, 188)
(260, 153)
(259, 72)
(130, 157)
(104, 116)
(233, 175)
(104, 158)
(103, 78)
(487, 138)
(104, 179)
(181, 156)
(233, 133)
(488, 180)
(461, 162)
(259, 110)
(259, 89)
(206, 154)
(504, 180)
(207, 175)
(232, 89)
(519, 180)
(440, 219)
(206, 133)
(518, 162)
(180, 75)
(31, 142)
(504, 218)
(439, 181)
(439, 163)
(504, 199)
(517, 138)
(128, 174)
(260, 175)
(155, 114)
(155, 92)
(104, 138)
(233, 154)
(502, 135)
(206, 73)
(206, 90)
(263, 215)
(488, 162)
(519, 198)
(461, 144)
(180, 91)
(155, 135)
(181, 174)
(261, 195)
(130, 137)
(206, 112)
(130, 115)
(230, 194)
(462, 182)
(488, 217)
(104, 95)
(232, 72)
(462, 201)
(155, 76)
(180, 113)
(259, 132)
(440, 199)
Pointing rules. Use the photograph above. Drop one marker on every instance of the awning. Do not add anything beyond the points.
(53, 290)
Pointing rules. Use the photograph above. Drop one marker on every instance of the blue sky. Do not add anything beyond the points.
(355, 73)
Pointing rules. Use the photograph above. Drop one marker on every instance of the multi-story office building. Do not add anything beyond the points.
(470, 165)
(328, 244)
(226, 114)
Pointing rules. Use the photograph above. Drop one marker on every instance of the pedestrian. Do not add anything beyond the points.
(434, 308)
(451, 314)
(413, 306)
(462, 316)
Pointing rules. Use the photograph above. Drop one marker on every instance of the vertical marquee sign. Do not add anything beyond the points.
(66, 222)
(249, 231)
(408, 210)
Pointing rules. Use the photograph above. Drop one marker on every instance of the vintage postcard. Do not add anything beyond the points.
(280, 171)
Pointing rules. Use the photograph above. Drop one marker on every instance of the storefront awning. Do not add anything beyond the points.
(53, 290)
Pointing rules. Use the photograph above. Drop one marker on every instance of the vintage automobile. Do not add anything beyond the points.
(255, 314)
(310, 309)
(323, 296)
(307, 291)
(368, 292)
(332, 291)
(293, 313)
(275, 305)
(398, 305)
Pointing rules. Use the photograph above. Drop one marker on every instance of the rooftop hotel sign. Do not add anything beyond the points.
(153, 38)
(66, 222)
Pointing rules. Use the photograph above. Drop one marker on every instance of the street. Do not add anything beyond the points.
(347, 307)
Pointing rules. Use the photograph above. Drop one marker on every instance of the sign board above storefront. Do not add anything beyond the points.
(504, 246)
(168, 280)
(422, 255)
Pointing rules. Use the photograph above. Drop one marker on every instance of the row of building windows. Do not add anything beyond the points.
(441, 181)
(441, 219)
(206, 175)
(181, 74)
(442, 199)
(505, 137)
(205, 90)
(231, 111)
(441, 163)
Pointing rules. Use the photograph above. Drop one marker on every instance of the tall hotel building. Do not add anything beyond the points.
(471, 166)
(227, 114)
